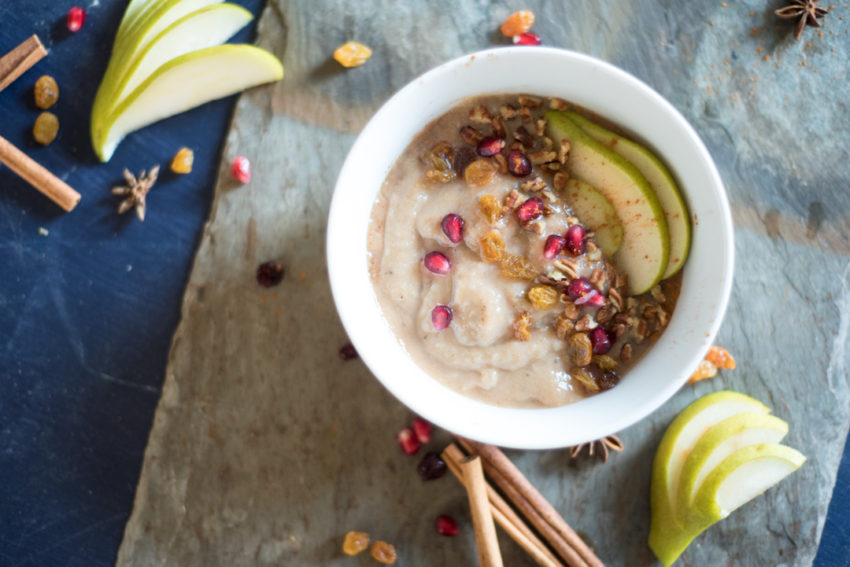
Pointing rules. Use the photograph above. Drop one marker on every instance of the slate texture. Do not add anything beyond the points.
(267, 448)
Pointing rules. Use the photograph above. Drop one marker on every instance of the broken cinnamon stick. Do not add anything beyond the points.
(482, 519)
(20, 59)
(37, 176)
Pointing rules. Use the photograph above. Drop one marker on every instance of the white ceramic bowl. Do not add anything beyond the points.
(601, 88)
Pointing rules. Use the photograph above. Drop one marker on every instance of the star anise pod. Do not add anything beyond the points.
(601, 446)
(806, 12)
(136, 190)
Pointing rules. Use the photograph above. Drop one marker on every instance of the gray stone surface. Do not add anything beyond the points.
(267, 448)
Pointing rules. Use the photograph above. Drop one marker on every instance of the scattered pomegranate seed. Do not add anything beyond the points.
(554, 245)
(452, 226)
(530, 210)
(527, 38)
(446, 526)
(432, 466)
(579, 288)
(270, 274)
(241, 169)
(576, 240)
(438, 263)
(490, 146)
(408, 442)
(348, 352)
(76, 18)
(422, 428)
(600, 340)
(441, 317)
(518, 163)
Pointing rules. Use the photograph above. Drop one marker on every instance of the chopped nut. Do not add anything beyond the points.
(552, 166)
(564, 151)
(512, 201)
(525, 114)
(524, 137)
(621, 280)
(631, 305)
(529, 101)
(548, 144)
(541, 127)
(549, 196)
(642, 330)
(597, 278)
(563, 326)
(586, 323)
(501, 163)
(498, 127)
(618, 330)
(471, 135)
(480, 114)
(559, 181)
(571, 310)
(616, 298)
(663, 318)
(533, 184)
(605, 314)
(541, 156)
(593, 251)
(508, 111)
(569, 267)
(517, 145)
(558, 104)
(621, 318)
(521, 326)
(626, 352)
(657, 294)
(649, 312)
(534, 226)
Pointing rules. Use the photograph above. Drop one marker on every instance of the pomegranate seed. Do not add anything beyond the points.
(452, 226)
(441, 317)
(530, 210)
(518, 163)
(446, 526)
(348, 352)
(592, 299)
(490, 146)
(432, 466)
(579, 288)
(527, 38)
(241, 169)
(408, 442)
(422, 428)
(576, 240)
(600, 340)
(76, 19)
(438, 263)
(270, 274)
(554, 245)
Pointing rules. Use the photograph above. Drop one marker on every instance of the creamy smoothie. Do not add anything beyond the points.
(497, 269)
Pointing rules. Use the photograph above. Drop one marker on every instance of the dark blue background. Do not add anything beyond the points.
(87, 312)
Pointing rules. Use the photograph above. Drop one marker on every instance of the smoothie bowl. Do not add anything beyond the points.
(530, 247)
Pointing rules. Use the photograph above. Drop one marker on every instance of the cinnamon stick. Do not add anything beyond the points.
(523, 494)
(20, 59)
(505, 516)
(482, 519)
(37, 176)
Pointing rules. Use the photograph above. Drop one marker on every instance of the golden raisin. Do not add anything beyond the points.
(45, 128)
(492, 246)
(440, 158)
(491, 208)
(355, 542)
(522, 326)
(604, 362)
(479, 173)
(563, 326)
(183, 160)
(384, 553)
(705, 370)
(518, 23)
(46, 92)
(543, 296)
(517, 268)
(721, 358)
(580, 349)
(585, 379)
(352, 54)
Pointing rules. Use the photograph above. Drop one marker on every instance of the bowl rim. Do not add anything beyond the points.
(468, 417)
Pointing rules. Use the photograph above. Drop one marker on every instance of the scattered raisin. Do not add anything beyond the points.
(352, 54)
(384, 552)
(355, 542)
(479, 173)
(348, 352)
(604, 362)
(608, 380)
(492, 247)
(432, 466)
(517, 267)
(440, 158)
(585, 379)
(563, 326)
(46, 128)
(491, 208)
(543, 296)
(270, 274)
(183, 161)
(521, 326)
(580, 349)
(46, 92)
(462, 158)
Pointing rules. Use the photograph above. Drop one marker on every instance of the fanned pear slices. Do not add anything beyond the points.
(645, 250)
(659, 178)
(186, 82)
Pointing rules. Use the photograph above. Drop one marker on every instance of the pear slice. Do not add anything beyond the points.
(186, 82)
(742, 476)
(202, 28)
(133, 9)
(741, 430)
(659, 178)
(645, 249)
(667, 536)
(597, 214)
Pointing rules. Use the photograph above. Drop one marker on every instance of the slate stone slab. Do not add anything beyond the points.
(267, 447)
